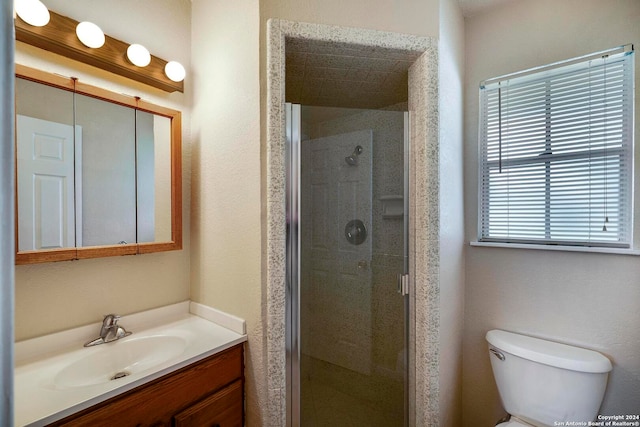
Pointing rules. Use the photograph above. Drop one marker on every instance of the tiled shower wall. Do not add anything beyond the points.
(335, 278)
(387, 311)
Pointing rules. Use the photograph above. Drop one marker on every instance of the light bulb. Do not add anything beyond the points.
(90, 34)
(175, 71)
(33, 12)
(138, 55)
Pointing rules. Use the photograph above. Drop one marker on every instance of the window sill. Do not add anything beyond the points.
(618, 251)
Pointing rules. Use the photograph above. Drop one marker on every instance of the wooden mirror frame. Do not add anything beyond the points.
(74, 253)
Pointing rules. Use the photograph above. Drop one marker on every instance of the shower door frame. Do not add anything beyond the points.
(292, 194)
(293, 190)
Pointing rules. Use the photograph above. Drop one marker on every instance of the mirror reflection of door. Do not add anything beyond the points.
(44, 139)
(107, 212)
(46, 180)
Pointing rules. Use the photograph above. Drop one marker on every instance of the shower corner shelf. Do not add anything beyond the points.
(392, 206)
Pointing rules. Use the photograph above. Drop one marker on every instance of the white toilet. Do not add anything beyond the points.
(544, 383)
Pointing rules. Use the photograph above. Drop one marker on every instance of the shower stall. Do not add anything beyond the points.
(347, 261)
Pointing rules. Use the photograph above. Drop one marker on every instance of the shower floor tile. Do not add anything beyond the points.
(330, 401)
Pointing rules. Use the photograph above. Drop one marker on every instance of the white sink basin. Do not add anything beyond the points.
(115, 360)
(55, 376)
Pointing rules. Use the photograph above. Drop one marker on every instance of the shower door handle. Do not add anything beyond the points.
(403, 284)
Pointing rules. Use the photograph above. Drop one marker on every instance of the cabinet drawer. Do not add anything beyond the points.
(221, 409)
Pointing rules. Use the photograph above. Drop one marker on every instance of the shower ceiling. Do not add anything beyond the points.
(344, 75)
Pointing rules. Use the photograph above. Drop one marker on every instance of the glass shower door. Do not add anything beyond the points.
(346, 213)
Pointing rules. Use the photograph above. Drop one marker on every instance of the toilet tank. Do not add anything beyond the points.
(544, 382)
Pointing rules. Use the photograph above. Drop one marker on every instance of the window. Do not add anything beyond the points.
(556, 153)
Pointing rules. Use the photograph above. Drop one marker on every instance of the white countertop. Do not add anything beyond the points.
(39, 398)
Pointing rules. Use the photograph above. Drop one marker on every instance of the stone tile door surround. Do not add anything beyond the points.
(424, 248)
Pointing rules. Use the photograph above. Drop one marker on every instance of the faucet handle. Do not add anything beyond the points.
(110, 320)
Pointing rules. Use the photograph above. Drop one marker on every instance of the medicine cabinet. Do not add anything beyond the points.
(97, 173)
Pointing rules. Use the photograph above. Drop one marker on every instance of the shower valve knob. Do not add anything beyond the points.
(355, 232)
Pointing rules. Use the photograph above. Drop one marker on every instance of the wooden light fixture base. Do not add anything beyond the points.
(59, 36)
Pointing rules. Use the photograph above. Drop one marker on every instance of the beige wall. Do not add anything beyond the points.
(226, 236)
(57, 296)
(419, 17)
(229, 164)
(451, 74)
(586, 299)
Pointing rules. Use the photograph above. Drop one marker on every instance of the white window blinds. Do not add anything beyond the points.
(556, 153)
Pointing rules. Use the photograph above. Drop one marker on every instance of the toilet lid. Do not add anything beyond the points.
(513, 423)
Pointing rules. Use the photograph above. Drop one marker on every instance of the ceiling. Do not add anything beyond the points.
(474, 7)
(343, 75)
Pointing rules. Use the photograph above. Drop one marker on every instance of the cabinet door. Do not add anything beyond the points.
(221, 409)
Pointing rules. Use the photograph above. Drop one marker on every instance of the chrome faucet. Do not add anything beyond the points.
(110, 331)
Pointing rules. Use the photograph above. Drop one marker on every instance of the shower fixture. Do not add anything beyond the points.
(352, 160)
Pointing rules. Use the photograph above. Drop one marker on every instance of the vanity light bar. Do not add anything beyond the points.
(59, 36)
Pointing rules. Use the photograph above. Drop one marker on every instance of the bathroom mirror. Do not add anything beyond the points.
(98, 173)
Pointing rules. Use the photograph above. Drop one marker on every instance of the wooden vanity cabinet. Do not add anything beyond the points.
(207, 393)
